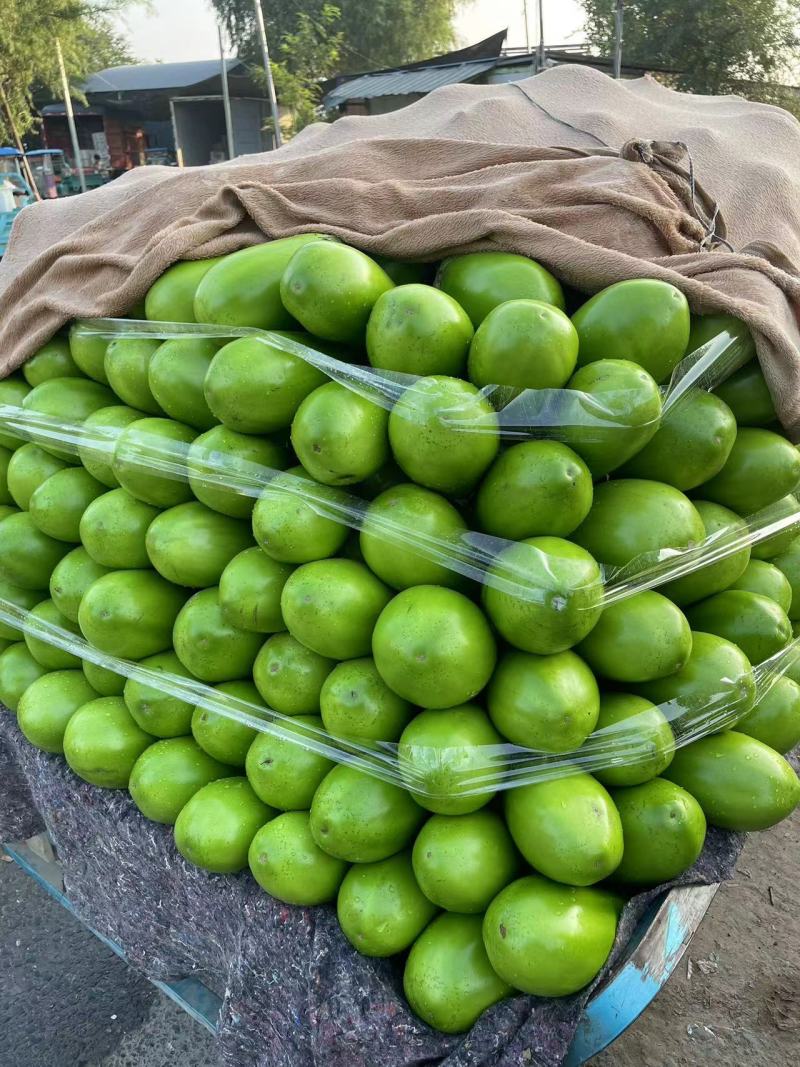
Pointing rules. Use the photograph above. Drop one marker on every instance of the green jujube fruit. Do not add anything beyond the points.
(217, 824)
(534, 489)
(57, 506)
(461, 862)
(130, 614)
(18, 670)
(765, 579)
(243, 288)
(557, 594)
(433, 647)
(362, 819)
(191, 545)
(290, 676)
(127, 365)
(730, 337)
(225, 738)
(27, 556)
(207, 645)
(787, 506)
(113, 530)
(250, 590)
(775, 718)
(758, 625)
(100, 432)
(633, 519)
(50, 656)
(13, 391)
(567, 828)
(70, 580)
(380, 907)
(523, 344)
(642, 319)
(256, 384)
(480, 281)
(444, 434)
(150, 445)
(287, 520)
(633, 739)
(691, 445)
(642, 637)
(159, 712)
(416, 329)
(105, 682)
(102, 743)
(740, 783)
(761, 468)
(227, 469)
(548, 703)
(288, 864)
(788, 563)
(168, 774)
(88, 350)
(29, 467)
(70, 401)
(52, 360)
(608, 412)
(339, 436)
(171, 297)
(663, 829)
(283, 770)
(357, 704)
(47, 705)
(6, 498)
(23, 598)
(176, 376)
(331, 289)
(747, 395)
(549, 940)
(723, 527)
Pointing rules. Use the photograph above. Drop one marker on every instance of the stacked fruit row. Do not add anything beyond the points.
(185, 505)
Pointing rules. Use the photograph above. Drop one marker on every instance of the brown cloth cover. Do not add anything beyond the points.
(590, 176)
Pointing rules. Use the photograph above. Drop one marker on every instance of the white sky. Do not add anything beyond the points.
(173, 30)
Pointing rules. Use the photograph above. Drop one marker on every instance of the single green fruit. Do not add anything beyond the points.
(549, 940)
(256, 384)
(70, 401)
(643, 320)
(480, 281)
(70, 580)
(250, 590)
(779, 542)
(339, 436)
(761, 468)
(27, 556)
(207, 645)
(150, 445)
(57, 506)
(450, 759)
(105, 682)
(290, 676)
(567, 828)
(663, 828)
(29, 467)
(730, 336)
(758, 625)
(398, 521)
(13, 391)
(461, 862)
(102, 743)
(113, 530)
(747, 395)
(88, 350)
(633, 741)
(47, 705)
(99, 438)
(723, 527)
(192, 545)
(171, 297)
(243, 289)
(444, 434)
(740, 783)
(448, 980)
(227, 470)
(295, 520)
(52, 360)
(356, 703)
(23, 598)
(642, 637)
(788, 563)
(549, 703)
(168, 774)
(223, 736)
(362, 819)
(775, 718)
(433, 647)
(380, 907)
(285, 771)
(543, 594)
(127, 365)
(332, 606)
(50, 656)
(416, 329)
(525, 344)
(130, 614)
(216, 825)
(766, 580)
(289, 865)
(176, 375)
(154, 708)
(537, 488)
(18, 670)
(331, 290)
(691, 445)
(636, 520)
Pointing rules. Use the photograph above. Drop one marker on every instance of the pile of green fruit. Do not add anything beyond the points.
(462, 623)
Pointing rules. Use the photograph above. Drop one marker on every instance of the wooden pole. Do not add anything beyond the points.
(273, 100)
(73, 133)
(18, 142)
(226, 96)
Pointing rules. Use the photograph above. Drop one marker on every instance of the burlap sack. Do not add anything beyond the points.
(466, 168)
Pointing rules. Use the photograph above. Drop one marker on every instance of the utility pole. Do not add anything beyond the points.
(226, 96)
(540, 6)
(619, 11)
(70, 117)
(273, 100)
(527, 31)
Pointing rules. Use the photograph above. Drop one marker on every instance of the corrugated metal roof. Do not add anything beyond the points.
(152, 76)
(405, 82)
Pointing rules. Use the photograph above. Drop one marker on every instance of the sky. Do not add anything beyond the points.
(175, 30)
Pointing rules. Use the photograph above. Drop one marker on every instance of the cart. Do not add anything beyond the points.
(11, 172)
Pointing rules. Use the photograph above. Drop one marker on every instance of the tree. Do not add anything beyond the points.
(306, 56)
(713, 46)
(27, 55)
